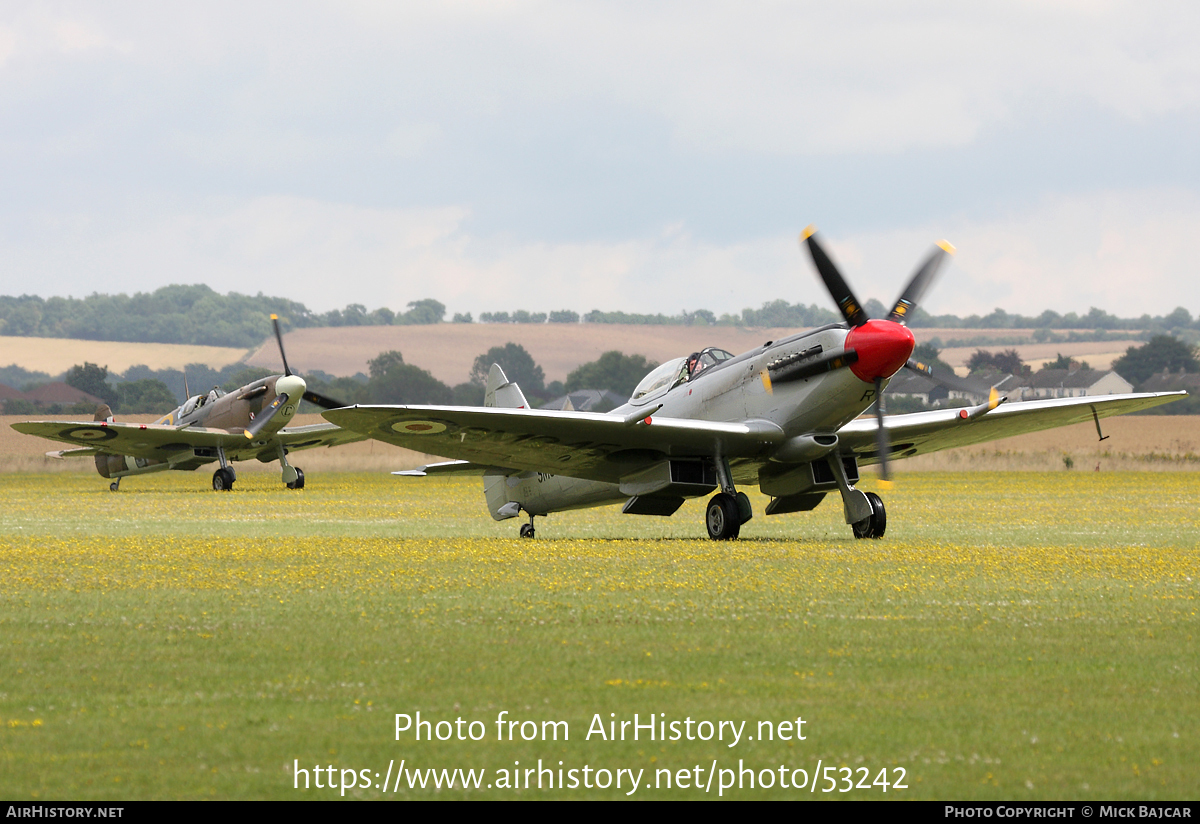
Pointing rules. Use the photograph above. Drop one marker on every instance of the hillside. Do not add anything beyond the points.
(448, 349)
(56, 355)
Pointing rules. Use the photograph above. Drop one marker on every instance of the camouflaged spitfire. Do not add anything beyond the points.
(247, 424)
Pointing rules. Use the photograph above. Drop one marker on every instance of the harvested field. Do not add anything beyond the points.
(1098, 355)
(448, 350)
(56, 355)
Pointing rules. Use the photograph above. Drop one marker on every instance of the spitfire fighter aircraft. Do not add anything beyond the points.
(784, 416)
(225, 427)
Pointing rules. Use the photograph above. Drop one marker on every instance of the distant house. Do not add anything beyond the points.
(59, 392)
(1165, 381)
(1003, 382)
(909, 384)
(7, 393)
(1065, 383)
(587, 400)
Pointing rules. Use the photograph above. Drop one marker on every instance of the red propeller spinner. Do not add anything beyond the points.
(883, 348)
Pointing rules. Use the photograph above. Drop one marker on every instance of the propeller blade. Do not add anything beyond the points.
(881, 436)
(279, 338)
(920, 281)
(256, 426)
(323, 401)
(839, 290)
(949, 379)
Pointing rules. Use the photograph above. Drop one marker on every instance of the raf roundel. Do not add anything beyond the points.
(418, 427)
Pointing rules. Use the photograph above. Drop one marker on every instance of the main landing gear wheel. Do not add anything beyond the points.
(223, 479)
(527, 530)
(876, 525)
(722, 518)
(299, 482)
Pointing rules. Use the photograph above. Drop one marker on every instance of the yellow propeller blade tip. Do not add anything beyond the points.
(809, 231)
(274, 317)
(946, 246)
(248, 434)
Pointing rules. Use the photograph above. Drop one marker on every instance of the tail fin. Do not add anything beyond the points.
(502, 393)
(103, 413)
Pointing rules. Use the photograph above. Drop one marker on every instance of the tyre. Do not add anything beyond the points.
(223, 480)
(299, 482)
(876, 525)
(527, 530)
(723, 518)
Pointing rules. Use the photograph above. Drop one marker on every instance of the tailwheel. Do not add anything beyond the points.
(723, 517)
(299, 482)
(223, 479)
(527, 529)
(114, 486)
(876, 525)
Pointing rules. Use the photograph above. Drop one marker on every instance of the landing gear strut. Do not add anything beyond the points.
(224, 477)
(728, 509)
(527, 529)
(293, 476)
(863, 510)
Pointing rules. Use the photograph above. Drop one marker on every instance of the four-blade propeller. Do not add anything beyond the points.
(323, 401)
(879, 349)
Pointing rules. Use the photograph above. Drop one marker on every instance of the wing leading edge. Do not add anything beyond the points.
(577, 444)
(923, 432)
(158, 441)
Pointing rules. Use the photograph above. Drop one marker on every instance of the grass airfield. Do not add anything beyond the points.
(1015, 636)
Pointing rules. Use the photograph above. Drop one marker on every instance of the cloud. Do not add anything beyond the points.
(602, 155)
(1126, 252)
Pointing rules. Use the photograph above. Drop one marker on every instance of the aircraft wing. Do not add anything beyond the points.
(317, 434)
(81, 452)
(450, 468)
(141, 440)
(922, 432)
(158, 441)
(578, 444)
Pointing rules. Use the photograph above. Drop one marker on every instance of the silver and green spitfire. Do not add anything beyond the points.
(222, 427)
(784, 416)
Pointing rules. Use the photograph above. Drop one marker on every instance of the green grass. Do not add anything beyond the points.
(1015, 636)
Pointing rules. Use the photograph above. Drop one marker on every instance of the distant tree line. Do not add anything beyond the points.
(187, 314)
(199, 315)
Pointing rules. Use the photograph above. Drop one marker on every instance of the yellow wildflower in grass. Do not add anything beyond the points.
(167, 627)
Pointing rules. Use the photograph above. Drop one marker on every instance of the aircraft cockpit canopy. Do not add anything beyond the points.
(190, 404)
(680, 370)
(659, 377)
(710, 357)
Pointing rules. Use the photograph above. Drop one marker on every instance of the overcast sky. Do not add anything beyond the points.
(647, 157)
